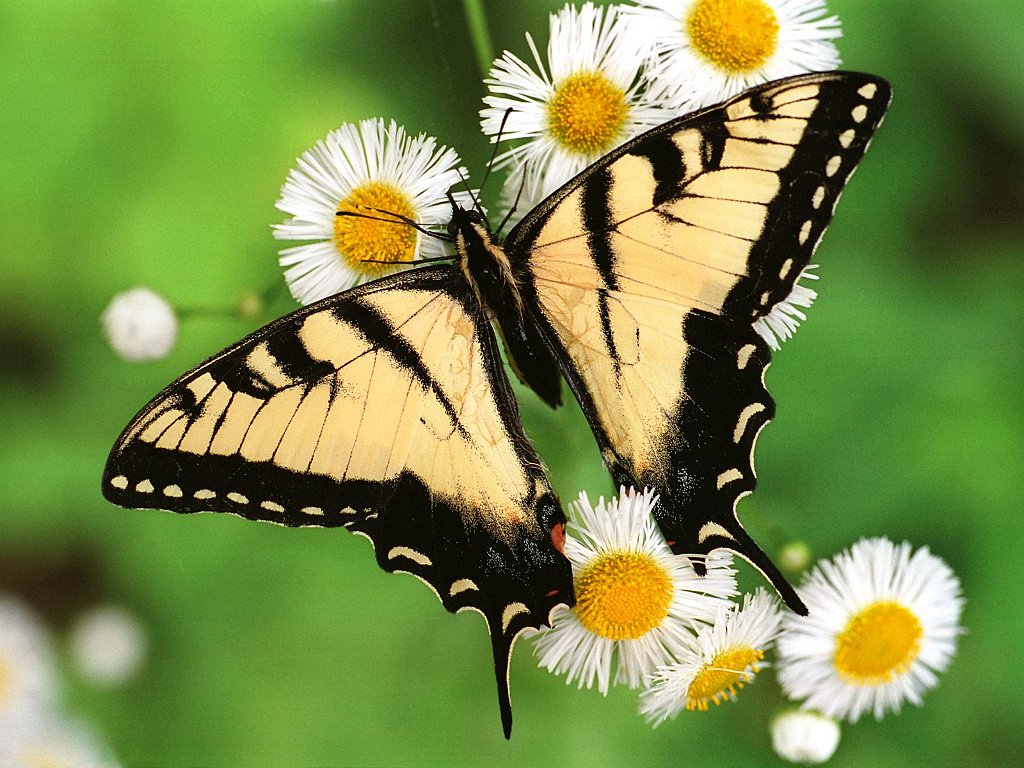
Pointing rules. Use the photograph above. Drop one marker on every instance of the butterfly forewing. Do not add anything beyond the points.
(646, 272)
(384, 410)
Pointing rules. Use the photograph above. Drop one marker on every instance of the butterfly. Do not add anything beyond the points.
(385, 409)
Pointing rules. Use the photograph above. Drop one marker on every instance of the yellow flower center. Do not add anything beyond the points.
(719, 679)
(586, 113)
(623, 595)
(737, 36)
(373, 240)
(880, 642)
(42, 756)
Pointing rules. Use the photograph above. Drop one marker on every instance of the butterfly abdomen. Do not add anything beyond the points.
(492, 280)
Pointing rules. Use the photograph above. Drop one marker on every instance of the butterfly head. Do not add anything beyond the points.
(483, 260)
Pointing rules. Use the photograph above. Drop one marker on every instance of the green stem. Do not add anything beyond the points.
(476, 17)
(250, 309)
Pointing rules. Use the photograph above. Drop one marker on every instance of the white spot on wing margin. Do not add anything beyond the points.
(461, 586)
(511, 611)
(409, 554)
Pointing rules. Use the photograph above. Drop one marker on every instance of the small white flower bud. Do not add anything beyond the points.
(802, 736)
(140, 325)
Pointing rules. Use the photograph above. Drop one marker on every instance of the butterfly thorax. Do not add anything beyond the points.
(484, 263)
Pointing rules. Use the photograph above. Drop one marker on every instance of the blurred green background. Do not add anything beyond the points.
(145, 143)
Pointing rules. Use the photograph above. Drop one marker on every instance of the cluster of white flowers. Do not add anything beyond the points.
(644, 610)
(371, 198)
(883, 622)
(609, 74)
(614, 72)
(107, 647)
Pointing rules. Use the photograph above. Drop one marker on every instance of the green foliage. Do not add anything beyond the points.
(145, 143)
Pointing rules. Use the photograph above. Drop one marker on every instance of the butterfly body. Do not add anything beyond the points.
(386, 410)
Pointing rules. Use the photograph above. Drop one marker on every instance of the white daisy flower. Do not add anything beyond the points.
(54, 742)
(634, 597)
(108, 645)
(587, 100)
(28, 676)
(387, 178)
(883, 622)
(140, 325)
(704, 51)
(724, 657)
(784, 318)
(802, 736)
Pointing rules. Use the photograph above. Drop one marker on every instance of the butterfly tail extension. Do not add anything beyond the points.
(507, 615)
(740, 542)
(698, 536)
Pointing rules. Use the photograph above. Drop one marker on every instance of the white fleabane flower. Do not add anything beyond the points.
(54, 742)
(108, 645)
(634, 597)
(587, 100)
(883, 623)
(28, 676)
(385, 177)
(724, 657)
(704, 51)
(802, 736)
(140, 325)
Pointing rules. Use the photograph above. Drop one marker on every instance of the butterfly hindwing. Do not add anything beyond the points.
(646, 273)
(384, 410)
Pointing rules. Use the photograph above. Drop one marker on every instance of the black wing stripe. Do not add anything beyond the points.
(381, 334)
(712, 144)
(668, 165)
(295, 361)
(597, 221)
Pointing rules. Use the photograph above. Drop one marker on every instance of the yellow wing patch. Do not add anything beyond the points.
(368, 415)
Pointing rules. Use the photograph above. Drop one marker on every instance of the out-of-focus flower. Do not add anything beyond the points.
(794, 556)
(883, 623)
(53, 741)
(802, 736)
(140, 325)
(108, 645)
(28, 677)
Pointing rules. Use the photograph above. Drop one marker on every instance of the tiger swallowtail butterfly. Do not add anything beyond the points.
(385, 409)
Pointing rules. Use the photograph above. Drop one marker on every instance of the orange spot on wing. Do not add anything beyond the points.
(558, 537)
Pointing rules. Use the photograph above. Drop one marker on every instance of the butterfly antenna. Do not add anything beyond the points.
(494, 152)
(472, 196)
(397, 218)
(420, 260)
(515, 204)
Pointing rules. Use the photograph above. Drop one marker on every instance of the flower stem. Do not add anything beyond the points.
(476, 17)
